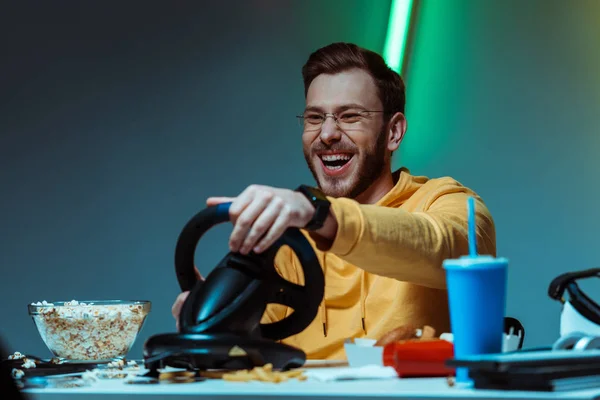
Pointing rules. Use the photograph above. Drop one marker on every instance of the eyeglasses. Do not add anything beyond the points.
(312, 121)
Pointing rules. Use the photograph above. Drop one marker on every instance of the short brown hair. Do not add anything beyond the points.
(340, 57)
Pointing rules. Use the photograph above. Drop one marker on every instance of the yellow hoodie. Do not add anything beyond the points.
(384, 267)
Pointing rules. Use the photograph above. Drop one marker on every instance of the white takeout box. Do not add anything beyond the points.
(363, 352)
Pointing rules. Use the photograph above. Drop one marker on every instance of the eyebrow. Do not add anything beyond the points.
(337, 109)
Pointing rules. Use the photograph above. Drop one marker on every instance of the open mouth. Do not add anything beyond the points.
(334, 164)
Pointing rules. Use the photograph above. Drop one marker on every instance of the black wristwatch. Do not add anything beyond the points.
(321, 204)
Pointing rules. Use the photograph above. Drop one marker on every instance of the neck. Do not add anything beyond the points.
(378, 189)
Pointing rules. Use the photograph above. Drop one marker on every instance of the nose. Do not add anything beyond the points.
(329, 131)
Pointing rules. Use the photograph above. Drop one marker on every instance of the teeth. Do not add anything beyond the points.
(335, 157)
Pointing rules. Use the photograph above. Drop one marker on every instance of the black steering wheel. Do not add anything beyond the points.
(304, 300)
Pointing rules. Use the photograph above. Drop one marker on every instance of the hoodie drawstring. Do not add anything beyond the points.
(363, 296)
(363, 291)
(322, 307)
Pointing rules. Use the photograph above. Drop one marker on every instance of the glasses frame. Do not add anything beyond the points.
(335, 116)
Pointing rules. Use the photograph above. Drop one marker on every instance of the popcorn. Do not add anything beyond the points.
(43, 303)
(87, 332)
(117, 369)
(110, 373)
(27, 363)
(17, 373)
(16, 356)
(89, 376)
(123, 364)
(116, 364)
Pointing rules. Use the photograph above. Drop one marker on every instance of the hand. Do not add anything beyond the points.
(261, 214)
(176, 309)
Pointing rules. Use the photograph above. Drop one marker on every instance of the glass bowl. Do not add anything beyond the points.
(96, 331)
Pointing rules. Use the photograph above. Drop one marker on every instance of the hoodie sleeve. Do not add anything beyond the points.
(411, 246)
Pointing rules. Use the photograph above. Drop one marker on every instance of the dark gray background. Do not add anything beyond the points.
(119, 120)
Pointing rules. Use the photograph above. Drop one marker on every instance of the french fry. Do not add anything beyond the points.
(427, 332)
(263, 374)
(212, 374)
(173, 375)
(294, 373)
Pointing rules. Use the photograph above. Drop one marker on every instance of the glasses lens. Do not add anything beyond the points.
(312, 121)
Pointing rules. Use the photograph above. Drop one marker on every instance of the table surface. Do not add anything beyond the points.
(421, 388)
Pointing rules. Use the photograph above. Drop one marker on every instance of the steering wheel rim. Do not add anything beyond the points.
(304, 300)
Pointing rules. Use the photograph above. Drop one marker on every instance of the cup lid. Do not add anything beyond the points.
(480, 261)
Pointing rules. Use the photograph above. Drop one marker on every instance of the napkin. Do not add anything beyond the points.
(349, 373)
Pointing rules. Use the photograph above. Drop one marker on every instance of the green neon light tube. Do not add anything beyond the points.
(397, 33)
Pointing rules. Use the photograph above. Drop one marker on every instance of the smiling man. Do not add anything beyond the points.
(380, 235)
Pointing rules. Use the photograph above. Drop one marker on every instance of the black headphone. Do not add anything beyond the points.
(582, 303)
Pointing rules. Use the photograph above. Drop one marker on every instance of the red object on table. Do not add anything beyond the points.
(419, 358)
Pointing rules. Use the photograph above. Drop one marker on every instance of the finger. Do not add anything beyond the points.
(198, 274)
(281, 223)
(176, 309)
(246, 219)
(239, 203)
(213, 201)
(262, 224)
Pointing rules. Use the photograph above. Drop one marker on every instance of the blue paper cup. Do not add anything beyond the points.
(477, 301)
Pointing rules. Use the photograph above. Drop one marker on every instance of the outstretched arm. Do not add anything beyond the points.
(408, 246)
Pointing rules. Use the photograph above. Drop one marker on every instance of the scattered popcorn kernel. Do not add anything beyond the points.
(17, 373)
(89, 376)
(16, 356)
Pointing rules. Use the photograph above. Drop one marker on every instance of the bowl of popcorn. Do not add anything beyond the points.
(97, 331)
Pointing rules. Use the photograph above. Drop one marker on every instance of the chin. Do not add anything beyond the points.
(336, 187)
(329, 185)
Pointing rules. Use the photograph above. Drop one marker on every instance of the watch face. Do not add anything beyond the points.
(316, 193)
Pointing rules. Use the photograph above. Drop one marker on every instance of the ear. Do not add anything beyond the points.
(396, 130)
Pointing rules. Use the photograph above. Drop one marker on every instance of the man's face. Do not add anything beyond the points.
(345, 160)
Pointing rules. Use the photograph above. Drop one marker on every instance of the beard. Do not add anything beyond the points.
(369, 165)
